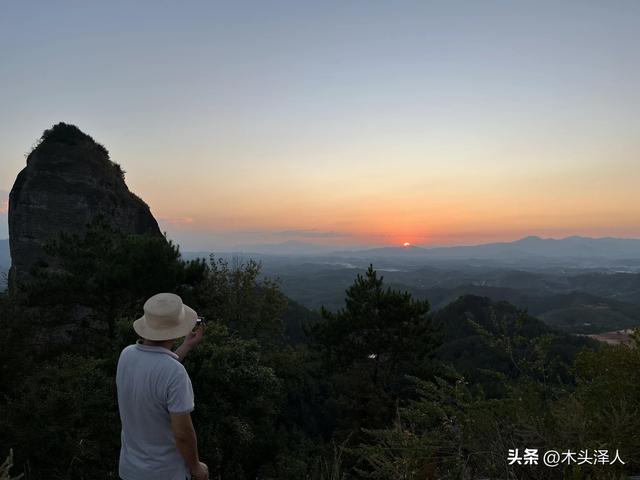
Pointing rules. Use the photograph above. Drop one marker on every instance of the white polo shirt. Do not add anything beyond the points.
(151, 384)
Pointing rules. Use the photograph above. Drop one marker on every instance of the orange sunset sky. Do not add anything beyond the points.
(342, 123)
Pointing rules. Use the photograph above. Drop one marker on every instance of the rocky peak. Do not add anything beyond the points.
(68, 181)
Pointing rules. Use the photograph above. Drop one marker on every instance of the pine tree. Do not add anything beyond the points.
(369, 348)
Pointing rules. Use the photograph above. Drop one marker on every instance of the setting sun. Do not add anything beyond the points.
(406, 244)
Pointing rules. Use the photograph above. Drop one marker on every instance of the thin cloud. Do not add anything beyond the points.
(4, 202)
(4, 217)
(312, 233)
(176, 220)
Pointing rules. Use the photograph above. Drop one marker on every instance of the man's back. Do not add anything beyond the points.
(152, 384)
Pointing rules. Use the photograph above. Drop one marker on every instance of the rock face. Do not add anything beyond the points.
(68, 181)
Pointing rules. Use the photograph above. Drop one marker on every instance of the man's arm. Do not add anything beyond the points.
(187, 444)
(186, 440)
(190, 341)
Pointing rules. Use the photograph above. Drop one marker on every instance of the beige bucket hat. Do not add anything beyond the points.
(165, 318)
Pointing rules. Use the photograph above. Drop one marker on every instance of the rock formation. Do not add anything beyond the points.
(68, 181)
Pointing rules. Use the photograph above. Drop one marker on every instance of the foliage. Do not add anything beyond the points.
(368, 348)
(603, 410)
(68, 134)
(452, 432)
(65, 133)
(237, 296)
(238, 399)
(378, 389)
(62, 419)
(102, 275)
(489, 342)
(426, 439)
(387, 326)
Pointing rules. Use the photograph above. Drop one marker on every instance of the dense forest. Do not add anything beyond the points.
(381, 388)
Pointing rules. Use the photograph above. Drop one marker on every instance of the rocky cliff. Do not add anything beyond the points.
(68, 181)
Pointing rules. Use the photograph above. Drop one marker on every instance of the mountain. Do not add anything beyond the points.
(583, 251)
(68, 181)
(5, 257)
(572, 300)
(529, 248)
(575, 312)
(581, 312)
(482, 337)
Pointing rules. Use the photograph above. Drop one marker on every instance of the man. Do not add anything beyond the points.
(155, 396)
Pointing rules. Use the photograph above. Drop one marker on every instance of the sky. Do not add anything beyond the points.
(345, 123)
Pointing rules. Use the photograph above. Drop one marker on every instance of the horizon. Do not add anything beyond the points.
(338, 124)
(355, 248)
(231, 248)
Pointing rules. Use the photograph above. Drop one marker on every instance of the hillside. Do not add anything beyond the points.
(482, 337)
(575, 312)
(576, 301)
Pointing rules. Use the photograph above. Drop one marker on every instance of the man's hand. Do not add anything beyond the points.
(193, 338)
(190, 341)
(201, 472)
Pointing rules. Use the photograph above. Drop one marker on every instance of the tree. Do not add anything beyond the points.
(237, 297)
(238, 398)
(100, 276)
(427, 438)
(370, 346)
(62, 419)
(60, 342)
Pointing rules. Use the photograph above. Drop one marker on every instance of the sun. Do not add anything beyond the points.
(406, 244)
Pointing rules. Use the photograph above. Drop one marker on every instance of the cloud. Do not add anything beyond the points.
(4, 202)
(177, 221)
(4, 217)
(268, 233)
(313, 233)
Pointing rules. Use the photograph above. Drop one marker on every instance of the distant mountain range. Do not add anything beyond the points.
(528, 247)
(5, 257)
(563, 293)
